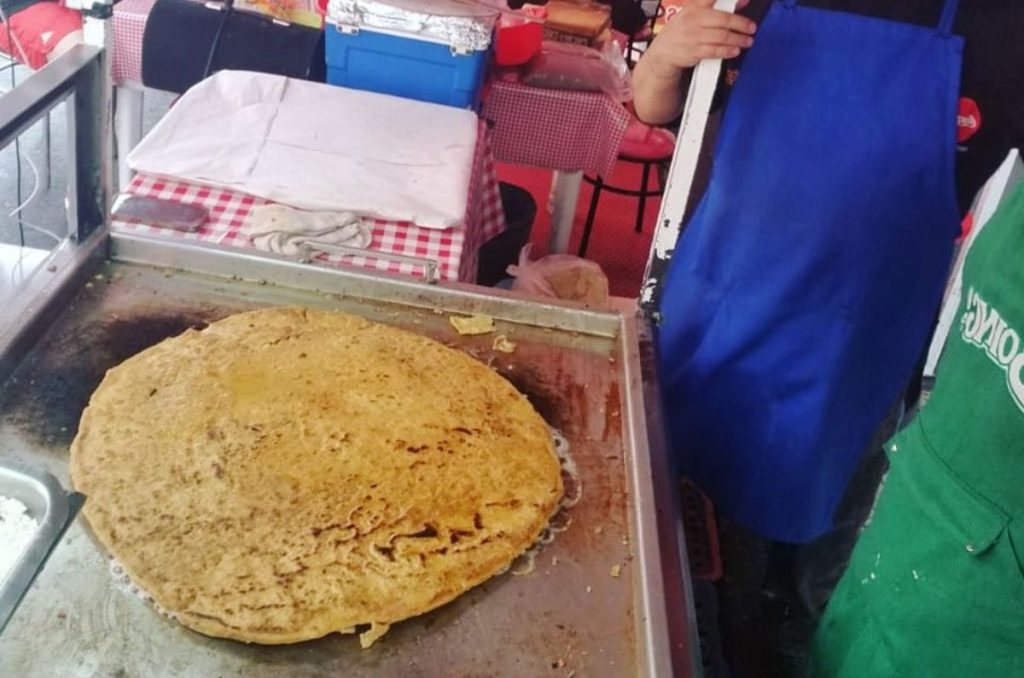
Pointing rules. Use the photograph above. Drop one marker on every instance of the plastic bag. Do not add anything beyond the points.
(560, 276)
(577, 67)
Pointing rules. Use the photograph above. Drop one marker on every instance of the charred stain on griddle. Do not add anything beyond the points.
(126, 336)
(548, 402)
(45, 396)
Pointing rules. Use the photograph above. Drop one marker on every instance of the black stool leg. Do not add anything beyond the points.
(643, 197)
(662, 176)
(591, 213)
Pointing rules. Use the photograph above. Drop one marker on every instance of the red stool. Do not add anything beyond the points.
(642, 145)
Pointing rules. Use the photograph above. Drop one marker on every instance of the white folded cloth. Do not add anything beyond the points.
(316, 147)
(283, 230)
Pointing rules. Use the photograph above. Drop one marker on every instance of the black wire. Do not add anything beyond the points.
(17, 140)
(229, 5)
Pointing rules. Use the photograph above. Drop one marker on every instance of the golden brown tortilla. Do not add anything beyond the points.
(287, 473)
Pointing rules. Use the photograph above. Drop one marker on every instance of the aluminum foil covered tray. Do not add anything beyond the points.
(465, 26)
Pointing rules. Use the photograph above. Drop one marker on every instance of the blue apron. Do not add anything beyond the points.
(805, 285)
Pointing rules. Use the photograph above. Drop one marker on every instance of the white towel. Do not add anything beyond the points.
(283, 230)
(316, 147)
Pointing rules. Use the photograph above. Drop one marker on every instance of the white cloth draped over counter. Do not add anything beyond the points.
(318, 147)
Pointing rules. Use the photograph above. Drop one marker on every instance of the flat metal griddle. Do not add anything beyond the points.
(102, 297)
(582, 370)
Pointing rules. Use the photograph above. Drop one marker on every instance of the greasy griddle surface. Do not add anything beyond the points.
(569, 615)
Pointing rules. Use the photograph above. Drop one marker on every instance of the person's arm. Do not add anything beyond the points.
(696, 32)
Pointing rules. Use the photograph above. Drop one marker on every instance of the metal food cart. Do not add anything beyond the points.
(609, 597)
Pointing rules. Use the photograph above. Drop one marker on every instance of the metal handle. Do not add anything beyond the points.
(678, 187)
(310, 248)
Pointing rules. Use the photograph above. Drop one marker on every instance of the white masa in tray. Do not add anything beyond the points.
(16, 531)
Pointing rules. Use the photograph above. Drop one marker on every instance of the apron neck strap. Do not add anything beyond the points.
(948, 15)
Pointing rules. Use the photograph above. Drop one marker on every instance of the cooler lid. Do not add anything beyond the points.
(679, 185)
(465, 26)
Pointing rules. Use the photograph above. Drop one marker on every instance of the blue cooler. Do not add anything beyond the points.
(429, 50)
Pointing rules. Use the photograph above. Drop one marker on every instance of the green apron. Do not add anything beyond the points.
(935, 586)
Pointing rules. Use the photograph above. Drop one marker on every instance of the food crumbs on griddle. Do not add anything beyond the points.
(368, 638)
(616, 571)
(589, 589)
(501, 343)
(554, 560)
(472, 324)
(598, 530)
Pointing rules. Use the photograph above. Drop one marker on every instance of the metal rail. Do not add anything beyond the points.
(80, 79)
(77, 77)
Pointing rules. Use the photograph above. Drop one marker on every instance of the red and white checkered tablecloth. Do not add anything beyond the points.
(454, 250)
(129, 23)
(555, 129)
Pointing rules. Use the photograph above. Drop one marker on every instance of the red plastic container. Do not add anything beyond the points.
(518, 38)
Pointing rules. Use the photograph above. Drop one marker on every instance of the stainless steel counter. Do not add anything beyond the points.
(99, 298)
(583, 370)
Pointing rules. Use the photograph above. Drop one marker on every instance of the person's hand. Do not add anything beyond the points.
(697, 31)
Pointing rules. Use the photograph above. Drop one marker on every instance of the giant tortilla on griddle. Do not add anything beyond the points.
(287, 473)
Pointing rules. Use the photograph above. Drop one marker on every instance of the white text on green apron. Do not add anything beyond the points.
(984, 327)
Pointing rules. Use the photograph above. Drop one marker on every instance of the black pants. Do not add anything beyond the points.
(817, 567)
(773, 594)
